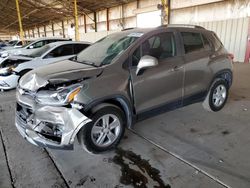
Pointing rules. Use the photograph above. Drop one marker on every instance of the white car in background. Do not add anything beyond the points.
(14, 44)
(30, 47)
(12, 68)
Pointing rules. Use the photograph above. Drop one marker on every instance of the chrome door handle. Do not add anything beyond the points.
(176, 68)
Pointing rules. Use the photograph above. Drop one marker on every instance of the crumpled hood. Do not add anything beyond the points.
(59, 72)
(16, 57)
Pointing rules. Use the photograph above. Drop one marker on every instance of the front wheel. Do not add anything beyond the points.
(217, 96)
(104, 132)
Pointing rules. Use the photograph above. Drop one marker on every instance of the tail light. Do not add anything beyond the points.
(231, 56)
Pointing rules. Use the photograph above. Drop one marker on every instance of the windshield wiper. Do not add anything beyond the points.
(84, 62)
(27, 56)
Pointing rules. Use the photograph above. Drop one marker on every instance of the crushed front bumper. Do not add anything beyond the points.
(48, 126)
(8, 82)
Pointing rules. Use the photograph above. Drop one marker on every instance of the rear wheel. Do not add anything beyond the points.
(217, 96)
(104, 132)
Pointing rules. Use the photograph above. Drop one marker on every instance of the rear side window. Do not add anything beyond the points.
(206, 43)
(79, 47)
(192, 42)
(217, 42)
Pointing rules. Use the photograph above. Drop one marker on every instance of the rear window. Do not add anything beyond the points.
(194, 42)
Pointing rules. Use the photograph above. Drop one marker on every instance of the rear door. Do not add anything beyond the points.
(162, 84)
(197, 51)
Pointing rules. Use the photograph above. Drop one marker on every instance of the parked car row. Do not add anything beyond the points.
(28, 46)
(12, 44)
(15, 66)
(118, 80)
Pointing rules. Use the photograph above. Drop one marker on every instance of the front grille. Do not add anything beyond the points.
(22, 114)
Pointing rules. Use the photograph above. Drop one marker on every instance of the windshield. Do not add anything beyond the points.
(105, 50)
(12, 42)
(26, 43)
(40, 51)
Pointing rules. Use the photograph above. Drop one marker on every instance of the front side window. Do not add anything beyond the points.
(192, 42)
(160, 46)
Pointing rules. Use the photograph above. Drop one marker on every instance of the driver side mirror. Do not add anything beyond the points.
(31, 47)
(145, 62)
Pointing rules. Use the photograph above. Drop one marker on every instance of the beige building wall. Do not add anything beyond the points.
(221, 10)
(217, 15)
(5, 36)
(229, 19)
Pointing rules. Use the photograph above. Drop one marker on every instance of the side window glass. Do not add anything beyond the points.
(160, 46)
(48, 41)
(38, 44)
(20, 43)
(61, 51)
(136, 56)
(217, 42)
(192, 42)
(79, 47)
(206, 43)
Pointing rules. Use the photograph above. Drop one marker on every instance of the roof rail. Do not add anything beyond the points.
(184, 25)
(128, 28)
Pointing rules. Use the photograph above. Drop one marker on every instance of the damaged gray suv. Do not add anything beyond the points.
(120, 79)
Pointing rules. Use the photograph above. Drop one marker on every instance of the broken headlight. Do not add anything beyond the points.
(61, 96)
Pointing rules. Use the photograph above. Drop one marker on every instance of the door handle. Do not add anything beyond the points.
(176, 68)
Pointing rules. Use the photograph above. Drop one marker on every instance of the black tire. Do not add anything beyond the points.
(84, 135)
(209, 102)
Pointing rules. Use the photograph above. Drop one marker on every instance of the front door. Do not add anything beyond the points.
(161, 85)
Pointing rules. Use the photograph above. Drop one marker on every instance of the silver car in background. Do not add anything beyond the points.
(29, 47)
(14, 44)
(13, 67)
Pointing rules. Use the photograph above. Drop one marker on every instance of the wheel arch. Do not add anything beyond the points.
(24, 71)
(225, 74)
(118, 100)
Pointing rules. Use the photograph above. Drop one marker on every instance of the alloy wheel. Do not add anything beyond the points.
(219, 95)
(106, 130)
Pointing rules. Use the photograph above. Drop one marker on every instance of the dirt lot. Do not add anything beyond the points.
(188, 147)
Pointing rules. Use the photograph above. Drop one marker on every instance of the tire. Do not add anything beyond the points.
(217, 96)
(88, 137)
